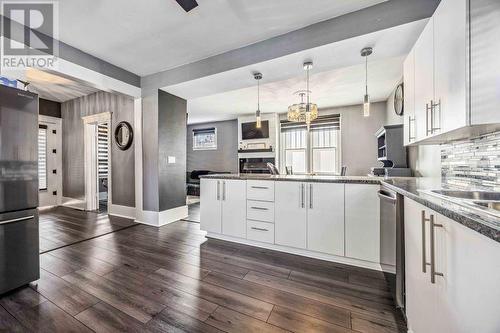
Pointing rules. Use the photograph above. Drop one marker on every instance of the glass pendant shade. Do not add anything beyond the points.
(258, 119)
(366, 106)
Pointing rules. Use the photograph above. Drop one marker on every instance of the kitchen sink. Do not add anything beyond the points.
(470, 195)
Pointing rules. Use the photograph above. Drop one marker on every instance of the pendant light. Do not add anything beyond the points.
(366, 100)
(258, 119)
(304, 112)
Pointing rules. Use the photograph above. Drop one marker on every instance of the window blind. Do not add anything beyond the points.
(325, 121)
(42, 157)
(102, 150)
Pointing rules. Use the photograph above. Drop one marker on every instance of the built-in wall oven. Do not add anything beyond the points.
(255, 164)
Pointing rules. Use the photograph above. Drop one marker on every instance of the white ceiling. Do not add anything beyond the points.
(55, 87)
(337, 78)
(146, 37)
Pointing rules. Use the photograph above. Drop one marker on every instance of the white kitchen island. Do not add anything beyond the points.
(330, 218)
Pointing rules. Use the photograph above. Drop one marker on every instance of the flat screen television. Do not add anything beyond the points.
(249, 131)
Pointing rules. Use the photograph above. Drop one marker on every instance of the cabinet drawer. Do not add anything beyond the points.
(260, 211)
(260, 231)
(262, 190)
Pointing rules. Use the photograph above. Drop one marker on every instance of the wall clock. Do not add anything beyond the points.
(398, 100)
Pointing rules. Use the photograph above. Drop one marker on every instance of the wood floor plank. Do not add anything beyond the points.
(215, 294)
(104, 318)
(335, 299)
(56, 265)
(332, 314)
(10, 324)
(171, 320)
(61, 293)
(232, 321)
(135, 305)
(87, 262)
(164, 293)
(370, 324)
(21, 299)
(296, 322)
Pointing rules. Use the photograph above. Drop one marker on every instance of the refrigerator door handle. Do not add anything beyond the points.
(18, 219)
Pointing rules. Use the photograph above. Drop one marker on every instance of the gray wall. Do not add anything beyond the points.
(224, 158)
(150, 152)
(172, 111)
(359, 145)
(123, 165)
(425, 161)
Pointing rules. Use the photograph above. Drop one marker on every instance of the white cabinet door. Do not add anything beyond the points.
(234, 208)
(409, 99)
(325, 218)
(424, 80)
(290, 214)
(421, 295)
(362, 222)
(468, 297)
(450, 40)
(210, 206)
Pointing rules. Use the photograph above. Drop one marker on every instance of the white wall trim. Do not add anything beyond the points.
(300, 252)
(122, 211)
(74, 203)
(158, 219)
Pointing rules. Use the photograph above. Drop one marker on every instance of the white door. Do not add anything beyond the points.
(210, 205)
(450, 47)
(290, 214)
(50, 161)
(234, 208)
(421, 294)
(424, 80)
(325, 218)
(409, 99)
(362, 222)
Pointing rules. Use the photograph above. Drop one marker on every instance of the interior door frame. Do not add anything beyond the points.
(90, 159)
(57, 123)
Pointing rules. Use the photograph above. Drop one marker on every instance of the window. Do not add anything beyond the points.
(42, 157)
(319, 148)
(205, 139)
(102, 150)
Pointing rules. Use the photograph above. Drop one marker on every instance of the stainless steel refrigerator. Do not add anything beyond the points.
(19, 244)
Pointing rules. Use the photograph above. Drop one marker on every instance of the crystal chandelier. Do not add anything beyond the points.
(304, 111)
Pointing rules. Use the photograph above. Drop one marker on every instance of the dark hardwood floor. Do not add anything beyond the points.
(193, 213)
(63, 226)
(172, 279)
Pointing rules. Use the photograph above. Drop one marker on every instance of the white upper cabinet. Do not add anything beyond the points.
(424, 81)
(362, 222)
(450, 65)
(456, 53)
(409, 99)
(234, 208)
(290, 214)
(325, 218)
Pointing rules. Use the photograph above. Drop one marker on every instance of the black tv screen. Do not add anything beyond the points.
(249, 131)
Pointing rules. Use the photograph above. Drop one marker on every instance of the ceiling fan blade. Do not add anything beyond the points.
(187, 5)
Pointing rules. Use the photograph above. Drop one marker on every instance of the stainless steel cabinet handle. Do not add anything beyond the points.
(427, 109)
(259, 208)
(433, 108)
(433, 225)
(18, 219)
(424, 259)
(385, 195)
(218, 191)
(310, 196)
(410, 122)
(260, 187)
(302, 195)
(224, 191)
(259, 229)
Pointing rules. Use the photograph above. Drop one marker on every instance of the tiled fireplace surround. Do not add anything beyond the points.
(474, 162)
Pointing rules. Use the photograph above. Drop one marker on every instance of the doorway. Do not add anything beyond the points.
(97, 162)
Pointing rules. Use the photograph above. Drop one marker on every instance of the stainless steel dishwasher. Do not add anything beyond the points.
(392, 241)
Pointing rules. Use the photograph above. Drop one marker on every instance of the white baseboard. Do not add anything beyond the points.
(122, 211)
(74, 203)
(158, 219)
(300, 252)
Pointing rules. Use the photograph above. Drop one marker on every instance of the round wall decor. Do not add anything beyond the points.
(124, 135)
(398, 100)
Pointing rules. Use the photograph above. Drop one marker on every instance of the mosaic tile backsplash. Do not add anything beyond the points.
(475, 162)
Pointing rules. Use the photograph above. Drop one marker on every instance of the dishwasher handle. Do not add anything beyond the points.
(387, 196)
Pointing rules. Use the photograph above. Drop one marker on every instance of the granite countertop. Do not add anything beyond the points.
(297, 178)
(418, 189)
